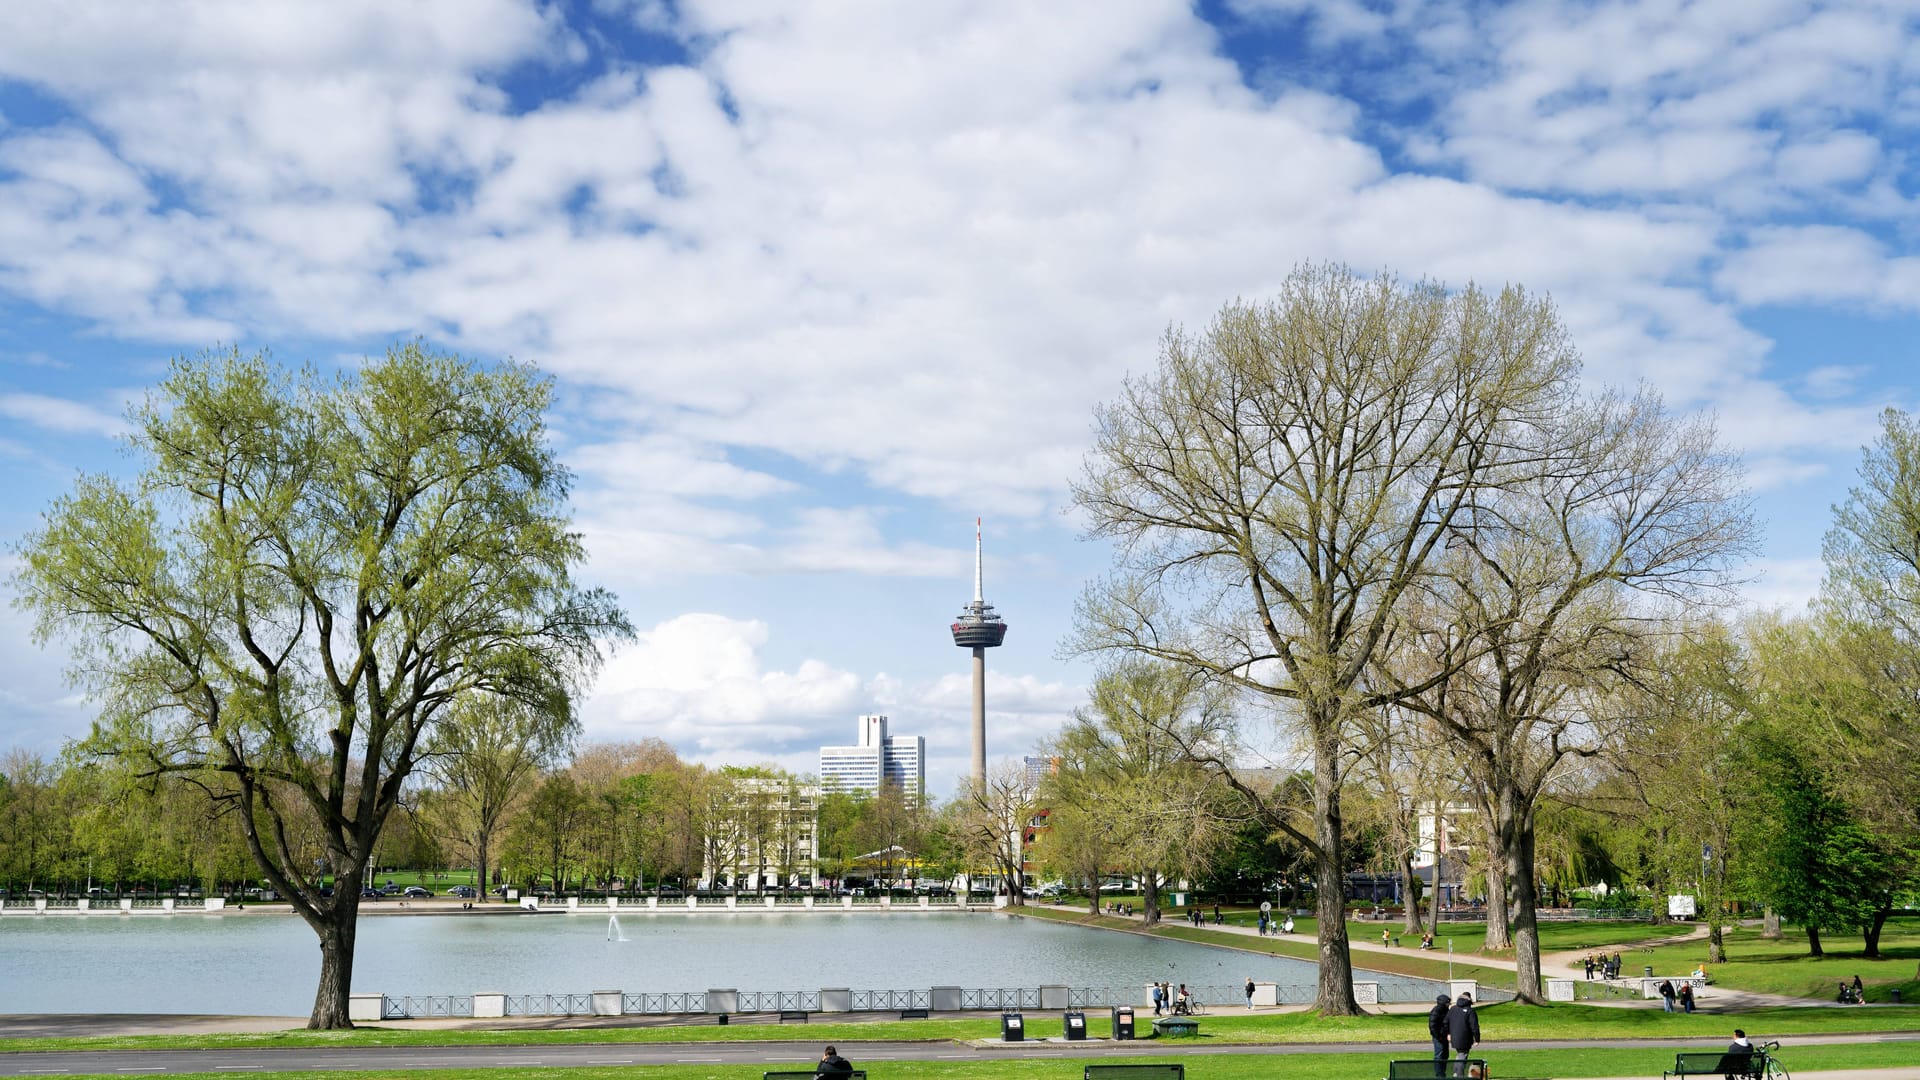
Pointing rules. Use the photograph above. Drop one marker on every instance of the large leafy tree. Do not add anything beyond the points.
(1279, 487)
(304, 576)
(1130, 787)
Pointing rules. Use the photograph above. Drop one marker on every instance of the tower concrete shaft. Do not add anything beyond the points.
(979, 718)
(979, 629)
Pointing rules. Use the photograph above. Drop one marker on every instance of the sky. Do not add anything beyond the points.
(821, 283)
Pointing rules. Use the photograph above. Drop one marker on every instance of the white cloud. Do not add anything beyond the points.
(61, 415)
(697, 681)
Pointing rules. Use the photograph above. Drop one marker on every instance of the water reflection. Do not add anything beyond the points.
(255, 963)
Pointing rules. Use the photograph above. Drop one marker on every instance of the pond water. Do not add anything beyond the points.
(267, 964)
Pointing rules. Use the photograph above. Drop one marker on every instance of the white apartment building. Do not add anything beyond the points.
(877, 757)
(762, 832)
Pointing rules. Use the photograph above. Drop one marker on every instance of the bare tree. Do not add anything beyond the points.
(1281, 482)
(990, 824)
(1547, 596)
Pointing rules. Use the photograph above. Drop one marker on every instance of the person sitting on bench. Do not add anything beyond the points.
(832, 1064)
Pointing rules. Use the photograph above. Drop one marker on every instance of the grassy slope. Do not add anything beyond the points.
(1783, 967)
(1503, 1024)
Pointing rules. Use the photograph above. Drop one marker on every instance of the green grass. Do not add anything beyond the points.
(1783, 966)
(1502, 1024)
(1298, 946)
(1571, 1065)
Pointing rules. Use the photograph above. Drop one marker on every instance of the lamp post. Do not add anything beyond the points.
(1449, 959)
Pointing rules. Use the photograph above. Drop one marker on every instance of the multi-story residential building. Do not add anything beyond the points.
(762, 832)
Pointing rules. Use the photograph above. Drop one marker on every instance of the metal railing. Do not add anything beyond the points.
(986, 999)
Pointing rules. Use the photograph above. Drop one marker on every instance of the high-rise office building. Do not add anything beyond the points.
(900, 760)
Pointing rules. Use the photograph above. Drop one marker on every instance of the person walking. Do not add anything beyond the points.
(1437, 1027)
(1463, 1031)
(1686, 997)
(1667, 994)
(1386, 938)
(1159, 997)
(1249, 992)
(832, 1064)
(1589, 967)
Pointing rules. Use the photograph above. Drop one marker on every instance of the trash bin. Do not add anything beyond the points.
(721, 1019)
(1076, 1026)
(1647, 971)
(1893, 996)
(1013, 1027)
(1123, 1021)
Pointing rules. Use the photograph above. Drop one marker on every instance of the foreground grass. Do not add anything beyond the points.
(1502, 1024)
(1571, 1065)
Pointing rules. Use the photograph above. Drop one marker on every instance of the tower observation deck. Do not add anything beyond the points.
(979, 629)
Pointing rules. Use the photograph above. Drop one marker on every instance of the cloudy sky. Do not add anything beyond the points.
(823, 281)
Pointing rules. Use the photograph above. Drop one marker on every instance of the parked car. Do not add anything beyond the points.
(368, 892)
(464, 892)
(415, 892)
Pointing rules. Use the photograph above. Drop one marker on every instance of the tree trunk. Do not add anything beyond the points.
(1411, 923)
(1770, 925)
(1149, 897)
(1499, 932)
(1093, 898)
(1716, 943)
(336, 929)
(1334, 995)
(1526, 928)
(482, 891)
(1813, 943)
(1871, 931)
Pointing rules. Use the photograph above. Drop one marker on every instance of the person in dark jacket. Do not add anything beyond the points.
(1463, 1030)
(1437, 1027)
(832, 1064)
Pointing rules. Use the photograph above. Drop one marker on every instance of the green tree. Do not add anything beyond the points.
(484, 757)
(1133, 760)
(305, 575)
(1279, 487)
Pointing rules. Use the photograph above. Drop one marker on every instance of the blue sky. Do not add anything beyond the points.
(823, 282)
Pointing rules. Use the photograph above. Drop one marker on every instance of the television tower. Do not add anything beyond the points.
(979, 629)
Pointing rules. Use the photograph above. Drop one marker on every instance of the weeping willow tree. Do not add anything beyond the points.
(299, 583)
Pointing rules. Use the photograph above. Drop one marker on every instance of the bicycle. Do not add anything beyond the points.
(1773, 1070)
(1192, 1007)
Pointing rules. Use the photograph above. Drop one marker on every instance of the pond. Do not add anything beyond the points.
(257, 963)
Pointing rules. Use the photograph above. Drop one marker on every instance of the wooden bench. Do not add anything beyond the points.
(1176, 1027)
(799, 1015)
(1720, 1063)
(1134, 1072)
(913, 1014)
(1428, 1069)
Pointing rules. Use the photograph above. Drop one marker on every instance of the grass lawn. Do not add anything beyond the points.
(1599, 1061)
(1783, 967)
(1502, 1024)
(1298, 945)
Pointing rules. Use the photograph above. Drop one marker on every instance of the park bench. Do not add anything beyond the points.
(799, 1015)
(1134, 1072)
(1720, 1063)
(913, 1014)
(1428, 1069)
(1176, 1027)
